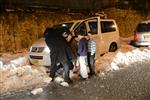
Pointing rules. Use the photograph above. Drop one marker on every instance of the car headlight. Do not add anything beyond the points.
(46, 49)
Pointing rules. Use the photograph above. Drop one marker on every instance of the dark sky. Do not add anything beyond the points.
(58, 3)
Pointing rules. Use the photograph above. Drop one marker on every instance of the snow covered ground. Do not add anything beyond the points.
(125, 59)
(17, 73)
(121, 59)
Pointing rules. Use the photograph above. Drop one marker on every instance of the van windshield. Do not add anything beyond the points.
(143, 27)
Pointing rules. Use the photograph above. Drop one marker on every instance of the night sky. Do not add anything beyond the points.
(75, 4)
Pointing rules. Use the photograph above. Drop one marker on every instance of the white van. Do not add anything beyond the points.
(39, 53)
(104, 31)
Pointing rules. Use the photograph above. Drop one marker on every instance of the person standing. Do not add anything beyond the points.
(59, 51)
(91, 54)
(82, 56)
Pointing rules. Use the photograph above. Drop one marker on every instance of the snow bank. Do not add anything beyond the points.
(18, 75)
(19, 61)
(13, 64)
(1, 64)
(19, 67)
(125, 59)
(37, 91)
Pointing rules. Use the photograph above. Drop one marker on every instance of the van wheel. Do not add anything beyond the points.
(113, 47)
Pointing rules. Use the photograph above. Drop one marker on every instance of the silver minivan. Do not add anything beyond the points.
(142, 34)
(104, 31)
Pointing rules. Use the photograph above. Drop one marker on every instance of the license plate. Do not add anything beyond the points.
(37, 62)
(147, 36)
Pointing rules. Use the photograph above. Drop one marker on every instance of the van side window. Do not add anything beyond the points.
(81, 29)
(93, 27)
(107, 26)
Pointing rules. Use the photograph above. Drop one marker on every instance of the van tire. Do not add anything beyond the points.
(113, 47)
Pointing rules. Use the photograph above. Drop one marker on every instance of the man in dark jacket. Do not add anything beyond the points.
(60, 52)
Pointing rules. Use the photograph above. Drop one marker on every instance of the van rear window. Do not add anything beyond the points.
(143, 27)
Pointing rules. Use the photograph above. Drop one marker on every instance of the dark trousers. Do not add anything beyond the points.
(91, 61)
(54, 67)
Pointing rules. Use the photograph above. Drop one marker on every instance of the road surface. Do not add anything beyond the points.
(129, 83)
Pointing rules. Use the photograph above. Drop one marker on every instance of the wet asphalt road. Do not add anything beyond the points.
(130, 83)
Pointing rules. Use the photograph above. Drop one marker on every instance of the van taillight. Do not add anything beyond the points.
(135, 37)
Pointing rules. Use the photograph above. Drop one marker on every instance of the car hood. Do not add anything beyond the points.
(39, 43)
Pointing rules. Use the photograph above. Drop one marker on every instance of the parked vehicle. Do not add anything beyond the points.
(40, 53)
(142, 34)
(105, 32)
